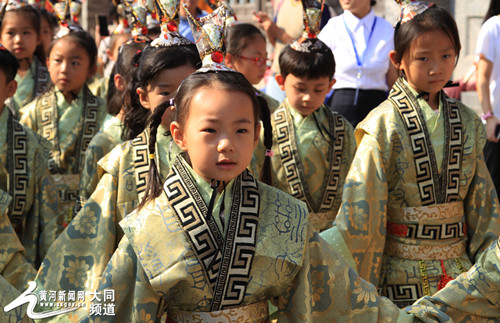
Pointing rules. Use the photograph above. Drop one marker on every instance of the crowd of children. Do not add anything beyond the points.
(192, 195)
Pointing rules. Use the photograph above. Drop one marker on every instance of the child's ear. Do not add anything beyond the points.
(119, 82)
(281, 81)
(178, 135)
(11, 88)
(332, 82)
(92, 71)
(257, 134)
(393, 57)
(229, 60)
(143, 98)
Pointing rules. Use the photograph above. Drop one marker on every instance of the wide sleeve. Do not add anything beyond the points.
(327, 290)
(86, 245)
(44, 221)
(362, 216)
(136, 300)
(481, 203)
(474, 296)
(89, 177)
(13, 266)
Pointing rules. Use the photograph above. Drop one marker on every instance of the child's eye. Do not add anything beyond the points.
(318, 91)
(242, 130)
(446, 56)
(165, 93)
(423, 59)
(209, 130)
(75, 63)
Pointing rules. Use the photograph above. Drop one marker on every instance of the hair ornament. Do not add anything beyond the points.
(269, 153)
(411, 8)
(312, 10)
(152, 156)
(8, 5)
(137, 10)
(209, 34)
(231, 18)
(171, 102)
(67, 13)
(168, 10)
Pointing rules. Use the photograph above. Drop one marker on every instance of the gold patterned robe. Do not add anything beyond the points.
(175, 259)
(418, 204)
(93, 235)
(473, 296)
(69, 127)
(30, 86)
(15, 271)
(311, 158)
(103, 142)
(34, 210)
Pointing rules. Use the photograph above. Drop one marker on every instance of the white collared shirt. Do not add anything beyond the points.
(376, 60)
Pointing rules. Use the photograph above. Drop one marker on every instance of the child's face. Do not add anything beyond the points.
(163, 88)
(218, 135)
(304, 94)
(46, 34)
(429, 62)
(69, 65)
(245, 63)
(7, 89)
(18, 35)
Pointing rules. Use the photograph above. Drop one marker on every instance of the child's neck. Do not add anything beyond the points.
(69, 96)
(24, 66)
(432, 99)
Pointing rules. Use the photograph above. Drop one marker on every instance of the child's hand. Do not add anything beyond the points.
(491, 125)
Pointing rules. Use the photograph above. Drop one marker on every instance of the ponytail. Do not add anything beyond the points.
(265, 116)
(154, 180)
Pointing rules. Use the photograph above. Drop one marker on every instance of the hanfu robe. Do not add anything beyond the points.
(35, 81)
(15, 272)
(419, 207)
(13, 266)
(311, 158)
(69, 127)
(473, 296)
(34, 210)
(176, 260)
(80, 254)
(103, 142)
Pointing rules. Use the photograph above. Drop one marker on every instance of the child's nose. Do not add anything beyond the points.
(306, 97)
(225, 144)
(434, 68)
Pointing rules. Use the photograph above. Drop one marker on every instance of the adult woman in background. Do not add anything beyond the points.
(360, 42)
(488, 88)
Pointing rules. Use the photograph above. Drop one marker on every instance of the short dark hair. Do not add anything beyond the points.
(434, 18)
(8, 65)
(319, 62)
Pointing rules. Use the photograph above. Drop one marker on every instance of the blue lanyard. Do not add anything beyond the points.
(359, 60)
